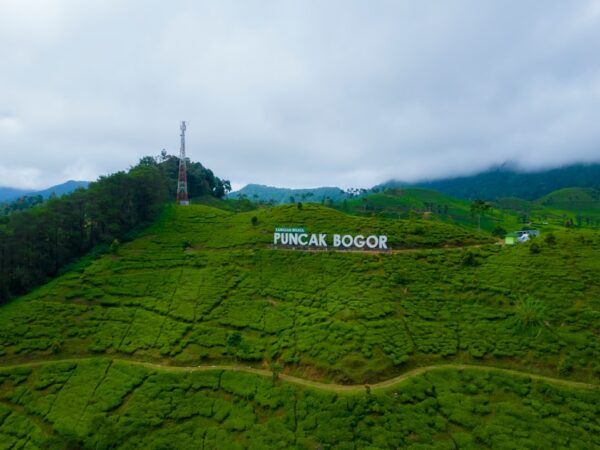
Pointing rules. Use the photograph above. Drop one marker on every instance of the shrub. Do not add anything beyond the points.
(114, 247)
(469, 259)
(550, 239)
(529, 314)
(565, 366)
(254, 220)
(534, 248)
(498, 231)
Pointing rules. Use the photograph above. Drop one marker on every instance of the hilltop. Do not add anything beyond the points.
(572, 199)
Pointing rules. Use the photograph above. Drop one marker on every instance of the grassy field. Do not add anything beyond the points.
(203, 286)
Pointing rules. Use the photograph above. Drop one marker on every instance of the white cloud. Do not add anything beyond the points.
(297, 93)
(10, 126)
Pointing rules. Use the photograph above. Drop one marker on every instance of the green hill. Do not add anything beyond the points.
(578, 206)
(572, 199)
(276, 195)
(149, 342)
(425, 203)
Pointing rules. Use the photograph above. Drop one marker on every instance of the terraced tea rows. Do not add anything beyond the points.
(203, 287)
(181, 292)
(102, 404)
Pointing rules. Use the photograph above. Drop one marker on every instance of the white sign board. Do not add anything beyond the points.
(298, 237)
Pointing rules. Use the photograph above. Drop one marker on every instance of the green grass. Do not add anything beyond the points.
(100, 405)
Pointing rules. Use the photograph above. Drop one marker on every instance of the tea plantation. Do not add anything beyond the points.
(203, 287)
(103, 404)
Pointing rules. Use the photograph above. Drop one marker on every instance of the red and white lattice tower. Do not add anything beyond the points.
(182, 190)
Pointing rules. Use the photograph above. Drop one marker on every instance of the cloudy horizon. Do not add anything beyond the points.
(297, 93)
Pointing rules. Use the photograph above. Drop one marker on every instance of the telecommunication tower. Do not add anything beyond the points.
(182, 190)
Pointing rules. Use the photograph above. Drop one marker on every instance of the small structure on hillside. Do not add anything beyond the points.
(521, 236)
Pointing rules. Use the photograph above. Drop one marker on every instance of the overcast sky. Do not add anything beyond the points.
(297, 93)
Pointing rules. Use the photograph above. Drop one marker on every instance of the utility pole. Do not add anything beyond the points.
(182, 190)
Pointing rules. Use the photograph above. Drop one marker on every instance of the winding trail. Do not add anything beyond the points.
(340, 388)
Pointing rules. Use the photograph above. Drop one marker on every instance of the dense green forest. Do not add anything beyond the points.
(37, 242)
(508, 182)
(21, 204)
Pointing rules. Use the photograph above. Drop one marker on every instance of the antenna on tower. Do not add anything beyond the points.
(182, 190)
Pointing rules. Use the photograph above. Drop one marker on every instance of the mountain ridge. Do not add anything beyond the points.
(494, 183)
(8, 194)
(506, 181)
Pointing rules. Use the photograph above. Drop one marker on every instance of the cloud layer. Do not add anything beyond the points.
(297, 93)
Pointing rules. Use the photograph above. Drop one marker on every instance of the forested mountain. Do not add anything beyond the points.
(276, 195)
(35, 244)
(506, 182)
(8, 194)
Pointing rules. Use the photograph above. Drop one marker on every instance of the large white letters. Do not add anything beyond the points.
(383, 242)
(296, 237)
(359, 241)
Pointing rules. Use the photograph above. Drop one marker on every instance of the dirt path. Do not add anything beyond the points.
(390, 251)
(341, 388)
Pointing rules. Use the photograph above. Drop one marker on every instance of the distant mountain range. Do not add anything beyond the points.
(499, 182)
(258, 192)
(8, 194)
(505, 182)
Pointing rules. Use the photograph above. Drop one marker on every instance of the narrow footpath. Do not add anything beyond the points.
(340, 388)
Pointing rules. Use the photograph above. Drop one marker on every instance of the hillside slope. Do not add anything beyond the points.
(200, 274)
(577, 206)
(104, 404)
(574, 199)
(203, 287)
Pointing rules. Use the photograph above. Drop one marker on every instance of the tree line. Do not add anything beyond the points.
(20, 204)
(36, 243)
